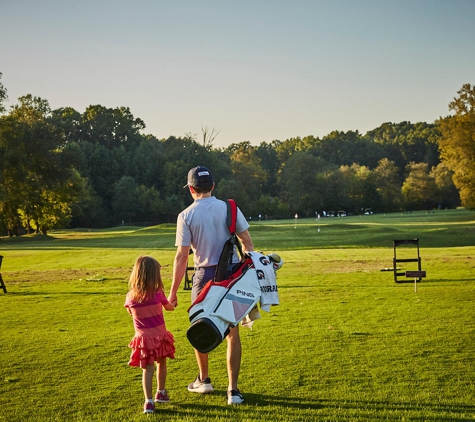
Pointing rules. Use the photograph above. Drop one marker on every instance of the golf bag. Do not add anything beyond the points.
(222, 305)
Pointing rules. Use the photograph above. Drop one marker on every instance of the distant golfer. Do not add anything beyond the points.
(152, 342)
(202, 226)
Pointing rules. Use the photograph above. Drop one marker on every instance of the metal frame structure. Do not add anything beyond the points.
(2, 284)
(397, 272)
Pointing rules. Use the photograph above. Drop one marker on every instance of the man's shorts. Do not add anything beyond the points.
(200, 278)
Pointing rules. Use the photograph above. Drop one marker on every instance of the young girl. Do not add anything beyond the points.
(152, 342)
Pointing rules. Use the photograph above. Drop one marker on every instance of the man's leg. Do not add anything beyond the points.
(202, 361)
(233, 357)
(202, 384)
(198, 281)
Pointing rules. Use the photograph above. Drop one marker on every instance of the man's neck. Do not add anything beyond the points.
(201, 195)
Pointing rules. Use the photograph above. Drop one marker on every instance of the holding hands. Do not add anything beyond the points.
(173, 299)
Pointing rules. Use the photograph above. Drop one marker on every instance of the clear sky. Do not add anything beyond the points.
(256, 70)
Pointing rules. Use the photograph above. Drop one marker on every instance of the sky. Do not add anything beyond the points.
(254, 70)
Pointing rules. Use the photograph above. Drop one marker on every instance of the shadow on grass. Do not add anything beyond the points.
(441, 412)
(373, 410)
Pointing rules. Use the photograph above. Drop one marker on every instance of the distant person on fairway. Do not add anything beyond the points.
(202, 226)
(152, 342)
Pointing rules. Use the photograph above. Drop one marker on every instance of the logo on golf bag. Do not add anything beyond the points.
(240, 292)
(264, 260)
(203, 335)
(260, 275)
(269, 289)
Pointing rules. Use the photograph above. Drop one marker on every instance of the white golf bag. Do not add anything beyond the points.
(222, 305)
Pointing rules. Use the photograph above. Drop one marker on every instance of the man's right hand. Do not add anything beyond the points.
(173, 299)
(179, 268)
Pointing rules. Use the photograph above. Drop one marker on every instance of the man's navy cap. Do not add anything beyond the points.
(199, 177)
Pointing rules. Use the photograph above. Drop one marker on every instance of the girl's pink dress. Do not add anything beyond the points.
(151, 340)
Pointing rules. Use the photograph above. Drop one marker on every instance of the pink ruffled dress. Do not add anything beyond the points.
(151, 340)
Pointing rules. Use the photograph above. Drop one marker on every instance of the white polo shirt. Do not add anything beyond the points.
(203, 227)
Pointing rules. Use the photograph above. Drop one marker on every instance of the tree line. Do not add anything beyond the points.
(63, 168)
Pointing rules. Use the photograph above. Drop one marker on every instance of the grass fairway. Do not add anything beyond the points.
(345, 344)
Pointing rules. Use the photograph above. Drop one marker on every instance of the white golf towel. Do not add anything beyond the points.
(267, 280)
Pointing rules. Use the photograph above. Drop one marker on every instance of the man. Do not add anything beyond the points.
(202, 226)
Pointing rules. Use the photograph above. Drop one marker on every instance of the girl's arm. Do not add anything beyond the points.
(126, 304)
(169, 306)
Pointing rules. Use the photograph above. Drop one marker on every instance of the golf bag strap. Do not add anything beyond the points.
(232, 215)
(231, 220)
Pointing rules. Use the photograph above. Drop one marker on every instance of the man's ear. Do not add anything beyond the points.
(192, 189)
(212, 188)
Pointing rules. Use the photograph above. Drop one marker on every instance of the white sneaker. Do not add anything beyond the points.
(198, 386)
(235, 397)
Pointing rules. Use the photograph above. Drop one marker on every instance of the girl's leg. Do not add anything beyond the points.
(161, 373)
(147, 379)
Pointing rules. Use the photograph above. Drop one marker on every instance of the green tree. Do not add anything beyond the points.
(68, 121)
(457, 144)
(335, 189)
(52, 207)
(288, 147)
(145, 163)
(153, 204)
(448, 193)
(104, 168)
(13, 174)
(88, 210)
(240, 176)
(419, 189)
(110, 127)
(406, 142)
(171, 207)
(136, 203)
(299, 183)
(35, 172)
(231, 188)
(3, 95)
(246, 169)
(269, 162)
(389, 183)
(126, 204)
(346, 148)
(360, 188)
(270, 207)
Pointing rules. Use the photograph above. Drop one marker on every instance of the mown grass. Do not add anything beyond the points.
(345, 344)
